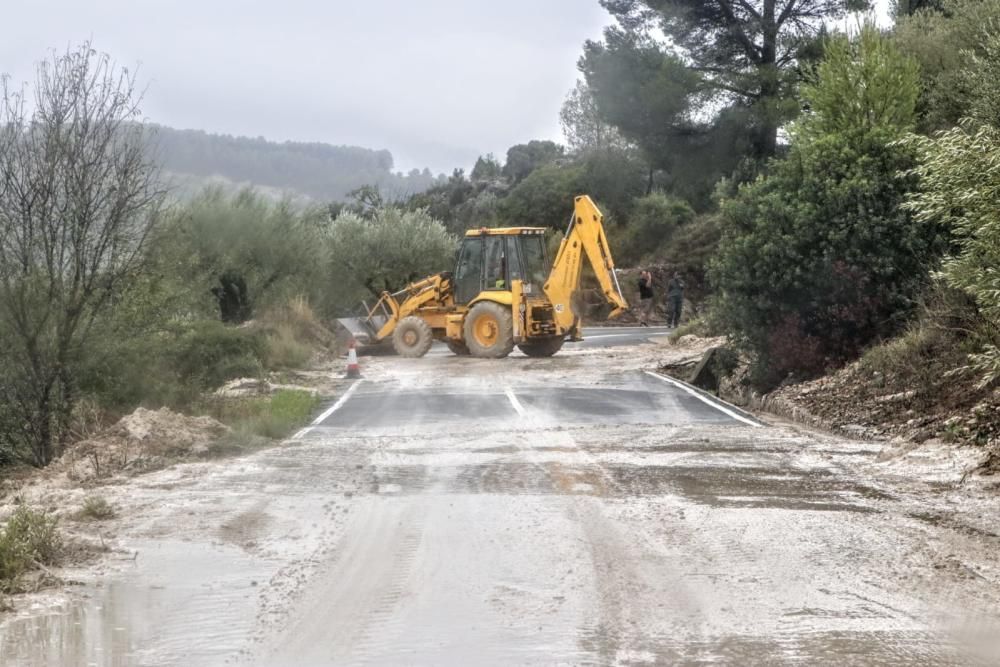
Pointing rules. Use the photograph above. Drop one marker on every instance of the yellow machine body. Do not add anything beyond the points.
(499, 295)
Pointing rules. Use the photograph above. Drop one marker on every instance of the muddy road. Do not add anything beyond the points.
(573, 510)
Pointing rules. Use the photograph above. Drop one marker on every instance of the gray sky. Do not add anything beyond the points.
(437, 82)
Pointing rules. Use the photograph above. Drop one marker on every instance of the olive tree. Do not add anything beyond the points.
(78, 196)
(384, 253)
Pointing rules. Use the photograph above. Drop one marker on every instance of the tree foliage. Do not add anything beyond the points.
(959, 176)
(523, 159)
(239, 251)
(649, 229)
(946, 44)
(487, 168)
(584, 126)
(819, 258)
(384, 253)
(742, 54)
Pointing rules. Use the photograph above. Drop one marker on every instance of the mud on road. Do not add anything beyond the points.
(572, 510)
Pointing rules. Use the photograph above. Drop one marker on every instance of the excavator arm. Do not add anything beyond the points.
(585, 236)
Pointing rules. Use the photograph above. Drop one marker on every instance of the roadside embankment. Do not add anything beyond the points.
(892, 395)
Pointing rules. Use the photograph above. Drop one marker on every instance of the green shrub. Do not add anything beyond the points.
(211, 353)
(30, 539)
(959, 176)
(696, 327)
(651, 225)
(96, 507)
(818, 258)
(275, 417)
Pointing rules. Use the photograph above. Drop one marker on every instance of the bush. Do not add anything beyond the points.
(96, 507)
(173, 367)
(818, 258)
(274, 417)
(959, 176)
(210, 353)
(29, 540)
(650, 228)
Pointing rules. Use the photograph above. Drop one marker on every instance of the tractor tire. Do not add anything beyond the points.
(489, 330)
(457, 347)
(412, 337)
(544, 347)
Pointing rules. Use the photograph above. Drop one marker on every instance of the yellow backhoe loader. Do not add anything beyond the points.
(499, 295)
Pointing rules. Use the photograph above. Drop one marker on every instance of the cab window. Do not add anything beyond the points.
(469, 272)
(496, 263)
(533, 257)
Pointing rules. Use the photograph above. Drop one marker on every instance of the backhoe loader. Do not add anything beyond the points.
(499, 295)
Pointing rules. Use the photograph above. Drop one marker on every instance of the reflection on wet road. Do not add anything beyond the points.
(523, 512)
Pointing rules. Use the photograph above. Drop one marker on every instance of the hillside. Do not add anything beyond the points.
(318, 171)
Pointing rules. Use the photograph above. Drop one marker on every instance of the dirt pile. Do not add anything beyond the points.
(251, 387)
(858, 402)
(141, 441)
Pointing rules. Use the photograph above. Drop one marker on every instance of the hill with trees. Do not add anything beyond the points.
(321, 172)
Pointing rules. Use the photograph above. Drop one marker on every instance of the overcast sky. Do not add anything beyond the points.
(437, 82)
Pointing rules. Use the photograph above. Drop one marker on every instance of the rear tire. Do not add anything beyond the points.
(457, 347)
(412, 337)
(489, 330)
(544, 347)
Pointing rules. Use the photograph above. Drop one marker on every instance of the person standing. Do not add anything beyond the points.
(675, 300)
(645, 297)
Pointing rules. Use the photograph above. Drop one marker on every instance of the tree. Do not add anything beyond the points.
(384, 253)
(744, 53)
(523, 159)
(78, 197)
(818, 258)
(544, 198)
(643, 91)
(585, 128)
(240, 249)
(487, 168)
(946, 44)
(959, 175)
(650, 227)
(910, 7)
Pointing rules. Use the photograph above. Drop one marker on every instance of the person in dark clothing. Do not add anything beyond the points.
(675, 300)
(645, 297)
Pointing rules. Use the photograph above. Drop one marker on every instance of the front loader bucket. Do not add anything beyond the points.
(360, 328)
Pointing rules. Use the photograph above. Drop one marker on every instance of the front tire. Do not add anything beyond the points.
(489, 330)
(412, 337)
(544, 347)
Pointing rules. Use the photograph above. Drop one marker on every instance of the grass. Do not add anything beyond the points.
(96, 508)
(29, 541)
(285, 350)
(294, 333)
(696, 327)
(274, 417)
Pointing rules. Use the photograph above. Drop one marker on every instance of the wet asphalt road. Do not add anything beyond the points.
(574, 510)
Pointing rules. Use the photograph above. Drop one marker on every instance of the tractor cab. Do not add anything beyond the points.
(490, 259)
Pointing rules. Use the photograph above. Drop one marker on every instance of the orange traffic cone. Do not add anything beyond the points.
(353, 369)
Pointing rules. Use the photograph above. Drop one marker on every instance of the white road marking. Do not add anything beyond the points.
(717, 405)
(333, 408)
(618, 335)
(513, 400)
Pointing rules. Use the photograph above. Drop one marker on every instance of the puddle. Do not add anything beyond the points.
(196, 606)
